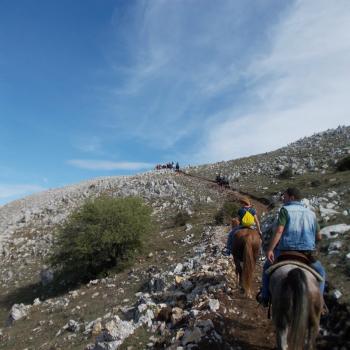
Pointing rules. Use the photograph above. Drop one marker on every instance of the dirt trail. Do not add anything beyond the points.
(231, 193)
(245, 323)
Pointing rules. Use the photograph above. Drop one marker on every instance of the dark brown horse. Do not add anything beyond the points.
(296, 307)
(245, 251)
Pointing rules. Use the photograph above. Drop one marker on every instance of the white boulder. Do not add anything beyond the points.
(333, 230)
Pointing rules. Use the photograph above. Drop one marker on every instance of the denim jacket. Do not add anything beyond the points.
(300, 230)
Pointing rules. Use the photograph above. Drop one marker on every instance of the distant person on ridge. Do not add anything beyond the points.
(247, 218)
(297, 230)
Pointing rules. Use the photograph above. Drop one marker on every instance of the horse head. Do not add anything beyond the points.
(235, 222)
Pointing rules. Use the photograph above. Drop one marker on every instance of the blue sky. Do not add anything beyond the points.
(94, 88)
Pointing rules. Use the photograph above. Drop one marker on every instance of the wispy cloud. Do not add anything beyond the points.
(8, 192)
(91, 144)
(298, 88)
(180, 58)
(212, 81)
(108, 165)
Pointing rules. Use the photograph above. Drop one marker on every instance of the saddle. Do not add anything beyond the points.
(303, 257)
(295, 258)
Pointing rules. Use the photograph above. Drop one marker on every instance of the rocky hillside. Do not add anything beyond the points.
(181, 292)
(312, 166)
(312, 157)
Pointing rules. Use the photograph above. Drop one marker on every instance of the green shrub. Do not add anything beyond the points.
(103, 234)
(226, 212)
(286, 174)
(181, 218)
(344, 164)
(315, 183)
(219, 217)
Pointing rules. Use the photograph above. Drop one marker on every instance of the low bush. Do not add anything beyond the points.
(103, 234)
(286, 174)
(219, 217)
(344, 164)
(315, 183)
(226, 213)
(181, 218)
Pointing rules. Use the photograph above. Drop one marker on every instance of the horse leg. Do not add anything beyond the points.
(238, 269)
(313, 327)
(281, 338)
(311, 338)
(281, 313)
(248, 264)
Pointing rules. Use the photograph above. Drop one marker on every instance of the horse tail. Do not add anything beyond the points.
(295, 289)
(248, 263)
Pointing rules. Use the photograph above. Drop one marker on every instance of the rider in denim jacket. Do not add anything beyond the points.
(297, 230)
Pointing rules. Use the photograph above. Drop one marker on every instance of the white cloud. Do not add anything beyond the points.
(300, 87)
(19, 190)
(177, 56)
(108, 165)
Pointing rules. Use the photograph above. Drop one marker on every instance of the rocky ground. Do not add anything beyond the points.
(313, 163)
(181, 292)
(194, 303)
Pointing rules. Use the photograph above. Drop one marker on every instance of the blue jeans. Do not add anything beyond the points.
(229, 244)
(265, 293)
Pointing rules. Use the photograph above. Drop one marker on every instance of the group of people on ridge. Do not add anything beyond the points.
(297, 231)
(222, 180)
(169, 165)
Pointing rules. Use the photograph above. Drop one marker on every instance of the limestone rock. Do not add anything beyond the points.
(18, 311)
(46, 276)
(177, 315)
(333, 230)
(192, 336)
(214, 304)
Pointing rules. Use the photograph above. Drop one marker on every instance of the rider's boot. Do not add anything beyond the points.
(262, 301)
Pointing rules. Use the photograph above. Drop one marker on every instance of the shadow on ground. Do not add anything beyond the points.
(27, 294)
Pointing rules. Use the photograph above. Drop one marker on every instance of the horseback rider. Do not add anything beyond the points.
(297, 231)
(246, 206)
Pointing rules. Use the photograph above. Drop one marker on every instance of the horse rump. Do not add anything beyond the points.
(246, 245)
(291, 310)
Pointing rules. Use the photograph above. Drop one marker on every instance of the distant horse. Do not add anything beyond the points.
(222, 181)
(245, 251)
(296, 307)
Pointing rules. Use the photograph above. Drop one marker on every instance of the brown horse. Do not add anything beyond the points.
(296, 307)
(245, 251)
